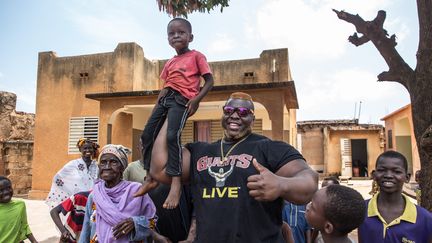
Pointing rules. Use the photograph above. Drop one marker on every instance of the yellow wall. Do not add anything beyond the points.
(400, 122)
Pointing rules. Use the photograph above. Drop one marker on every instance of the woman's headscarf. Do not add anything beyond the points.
(95, 145)
(119, 151)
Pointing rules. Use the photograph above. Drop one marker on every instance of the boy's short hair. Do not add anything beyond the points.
(394, 155)
(185, 21)
(333, 179)
(4, 178)
(345, 208)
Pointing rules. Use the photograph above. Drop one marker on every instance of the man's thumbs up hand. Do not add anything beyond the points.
(263, 186)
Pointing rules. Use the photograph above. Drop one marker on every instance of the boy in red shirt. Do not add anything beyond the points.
(178, 100)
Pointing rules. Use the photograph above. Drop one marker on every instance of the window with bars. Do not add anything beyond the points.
(82, 127)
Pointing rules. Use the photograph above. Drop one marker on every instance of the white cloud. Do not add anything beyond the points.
(222, 44)
(326, 95)
(310, 28)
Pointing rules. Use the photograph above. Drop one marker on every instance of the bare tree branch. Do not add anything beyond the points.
(355, 40)
(399, 70)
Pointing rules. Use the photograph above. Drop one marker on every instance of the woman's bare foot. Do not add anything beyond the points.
(148, 185)
(173, 198)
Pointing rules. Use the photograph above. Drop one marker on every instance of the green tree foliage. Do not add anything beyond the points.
(184, 7)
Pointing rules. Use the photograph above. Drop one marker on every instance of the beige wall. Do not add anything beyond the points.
(400, 122)
(334, 152)
(313, 147)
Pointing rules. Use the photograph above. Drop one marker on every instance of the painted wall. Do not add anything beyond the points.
(400, 122)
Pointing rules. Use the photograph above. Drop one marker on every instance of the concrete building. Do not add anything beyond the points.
(108, 97)
(340, 147)
(400, 136)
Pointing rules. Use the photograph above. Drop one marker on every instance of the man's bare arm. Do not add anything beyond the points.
(295, 182)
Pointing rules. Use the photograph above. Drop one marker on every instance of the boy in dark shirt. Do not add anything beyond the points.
(335, 211)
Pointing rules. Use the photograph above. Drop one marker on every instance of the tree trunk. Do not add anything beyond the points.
(418, 82)
(421, 104)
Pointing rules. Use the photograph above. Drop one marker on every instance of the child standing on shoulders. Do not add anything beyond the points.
(391, 216)
(13, 216)
(335, 211)
(178, 100)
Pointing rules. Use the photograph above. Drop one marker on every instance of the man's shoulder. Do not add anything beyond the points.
(135, 163)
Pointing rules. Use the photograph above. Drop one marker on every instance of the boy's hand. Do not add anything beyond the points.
(192, 106)
(65, 236)
(265, 185)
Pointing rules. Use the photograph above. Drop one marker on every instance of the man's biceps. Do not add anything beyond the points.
(292, 168)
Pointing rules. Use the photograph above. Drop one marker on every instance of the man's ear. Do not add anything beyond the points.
(328, 227)
(191, 38)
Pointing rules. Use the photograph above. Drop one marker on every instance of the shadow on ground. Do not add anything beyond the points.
(52, 239)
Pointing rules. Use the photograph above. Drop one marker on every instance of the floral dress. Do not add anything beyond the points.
(74, 177)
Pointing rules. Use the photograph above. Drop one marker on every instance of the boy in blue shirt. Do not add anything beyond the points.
(391, 216)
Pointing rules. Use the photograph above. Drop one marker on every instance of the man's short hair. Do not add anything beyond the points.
(185, 21)
(394, 155)
(241, 96)
(345, 208)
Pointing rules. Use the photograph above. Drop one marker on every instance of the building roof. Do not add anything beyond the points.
(343, 124)
(395, 112)
(288, 86)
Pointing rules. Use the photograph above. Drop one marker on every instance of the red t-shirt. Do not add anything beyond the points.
(183, 72)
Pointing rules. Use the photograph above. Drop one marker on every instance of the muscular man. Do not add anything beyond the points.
(246, 204)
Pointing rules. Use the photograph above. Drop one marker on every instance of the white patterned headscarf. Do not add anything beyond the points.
(119, 151)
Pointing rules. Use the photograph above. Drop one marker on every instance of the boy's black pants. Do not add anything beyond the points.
(173, 105)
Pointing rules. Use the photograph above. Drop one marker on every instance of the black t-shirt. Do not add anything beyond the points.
(172, 223)
(224, 210)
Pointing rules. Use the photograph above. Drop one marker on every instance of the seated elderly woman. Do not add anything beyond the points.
(113, 214)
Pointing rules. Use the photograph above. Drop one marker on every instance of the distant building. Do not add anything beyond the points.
(340, 147)
(400, 136)
(108, 97)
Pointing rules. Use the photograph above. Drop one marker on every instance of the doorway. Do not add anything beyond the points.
(359, 157)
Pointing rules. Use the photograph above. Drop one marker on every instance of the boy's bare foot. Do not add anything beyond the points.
(173, 198)
(148, 185)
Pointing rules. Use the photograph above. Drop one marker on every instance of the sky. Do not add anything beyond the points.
(332, 76)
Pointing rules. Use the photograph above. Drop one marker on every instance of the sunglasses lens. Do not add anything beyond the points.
(228, 110)
(241, 111)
